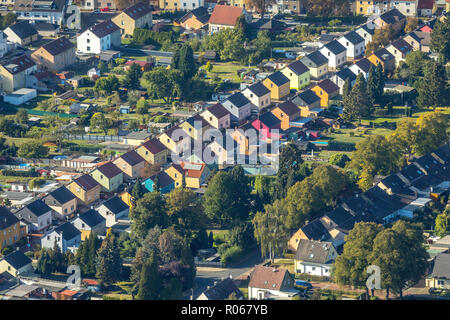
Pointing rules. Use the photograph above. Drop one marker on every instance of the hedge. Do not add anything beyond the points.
(231, 255)
(145, 36)
(341, 146)
(86, 149)
(14, 173)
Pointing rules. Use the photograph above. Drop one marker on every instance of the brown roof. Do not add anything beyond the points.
(289, 108)
(177, 137)
(190, 172)
(86, 182)
(154, 146)
(267, 278)
(218, 110)
(225, 15)
(18, 64)
(109, 170)
(138, 10)
(132, 158)
(328, 86)
(104, 28)
(58, 46)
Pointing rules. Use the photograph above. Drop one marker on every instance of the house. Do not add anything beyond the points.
(22, 33)
(383, 57)
(15, 73)
(428, 27)
(439, 276)
(406, 7)
(99, 37)
(195, 174)
(313, 230)
(145, 65)
(286, 112)
(153, 151)
(56, 55)
(326, 90)
(341, 76)
(16, 263)
(90, 222)
(138, 15)
(109, 176)
(221, 151)
(62, 201)
(112, 210)
(10, 231)
(278, 84)
(317, 64)
(194, 19)
(338, 218)
(175, 140)
(195, 126)
(222, 290)
(258, 94)
(361, 66)
(238, 106)
(354, 44)
(266, 124)
(176, 172)
(85, 188)
(425, 8)
(37, 215)
(336, 54)
(369, 7)
(93, 73)
(136, 138)
(4, 46)
(315, 257)
(267, 282)
(45, 29)
(217, 116)
(399, 49)
(225, 17)
(298, 74)
(306, 101)
(392, 17)
(52, 11)
(165, 182)
(20, 96)
(270, 25)
(366, 31)
(419, 40)
(132, 164)
(66, 236)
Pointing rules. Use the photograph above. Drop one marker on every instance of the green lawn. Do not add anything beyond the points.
(226, 70)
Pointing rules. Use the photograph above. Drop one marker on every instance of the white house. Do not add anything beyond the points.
(258, 94)
(191, 4)
(361, 66)
(315, 257)
(37, 215)
(112, 210)
(336, 54)
(224, 17)
(341, 76)
(20, 96)
(366, 31)
(67, 237)
(239, 107)
(407, 7)
(100, 37)
(50, 11)
(3, 44)
(267, 282)
(354, 44)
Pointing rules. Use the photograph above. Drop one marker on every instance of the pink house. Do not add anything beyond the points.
(265, 123)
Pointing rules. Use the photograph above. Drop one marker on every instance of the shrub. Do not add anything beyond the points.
(231, 255)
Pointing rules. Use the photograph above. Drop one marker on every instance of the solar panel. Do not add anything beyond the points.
(191, 166)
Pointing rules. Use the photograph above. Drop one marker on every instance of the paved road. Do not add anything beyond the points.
(206, 275)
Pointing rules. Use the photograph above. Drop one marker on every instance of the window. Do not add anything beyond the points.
(88, 48)
(88, 40)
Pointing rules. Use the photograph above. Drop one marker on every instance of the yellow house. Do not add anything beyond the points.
(90, 222)
(326, 89)
(195, 174)
(136, 138)
(195, 126)
(298, 74)
(278, 84)
(62, 201)
(175, 139)
(10, 231)
(85, 188)
(176, 172)
(439, 277)
(126, 197)
(362, 6)
(169, 5)
(136, 16)
(246, 138)
(314, 230)
(153, 151)
(132, 164)
(16, 263)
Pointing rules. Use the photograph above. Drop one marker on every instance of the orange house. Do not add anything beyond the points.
(286, 112)
(383, 57)
(326, 89)
(194, 19)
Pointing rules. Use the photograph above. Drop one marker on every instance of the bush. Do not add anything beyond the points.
(144, 36)
(30, 254)
(7, 250)
(341, 146)
(231, 255)
(14, 173)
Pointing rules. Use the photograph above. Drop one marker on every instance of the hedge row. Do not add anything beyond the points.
(145, 36)
(14, 173)
(231, 255)
(341, 146)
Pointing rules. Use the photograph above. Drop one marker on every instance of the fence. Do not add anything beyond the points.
(212, 264)
(91, 137)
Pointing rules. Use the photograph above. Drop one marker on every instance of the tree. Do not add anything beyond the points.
(137, 192)
(36, 183)
(365, 180)
(380, 80)
(109, 263)
(150, 282)
(142, 106)
(351, 265)
(132, 78)
(270, 230)
(32, 150)
(357, 104)
(290, 161)
(22, 116)
(416, 62)
(44, 265)
(372, 85)
(99, 120)
(149, 211)
(441, 225)
(380, 38)
(163, 84)
(405, 137)
(376, 155)
(263, 189)
(411, 24)
(107, 84)
(209, 67)
(432, 89)
(102, 67)
(133, 97)
(242, 236)
(173, 290)
(57, 259)
(241, 196)
(184, 61)
(440, 41)
(241, 25)
(326, 8)
(432, 132)
(339, 159)
(8, 19)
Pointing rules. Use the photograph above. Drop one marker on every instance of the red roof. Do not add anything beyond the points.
(141, 63)
(68, 293)
(225, 15)
(426, 4)
(91, 282)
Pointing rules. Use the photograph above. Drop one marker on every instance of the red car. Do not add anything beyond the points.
(104, 9)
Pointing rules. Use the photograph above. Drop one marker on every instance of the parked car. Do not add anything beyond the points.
(303, 283)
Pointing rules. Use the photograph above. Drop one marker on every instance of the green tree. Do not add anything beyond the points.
(138, 191)
(142, 106)
(32, 150)
(22, 116)
(440, 41)
(290, 161)
(372, 85)
(109, 263)
(107, 84)
(163, 84)
(99, 120)
(150, 282)
(209, 67)
(432, 89)
(184, 61)
(149, 211)
(132, 78)
(44, 264)
(441, 225)
(365, 180)
(432, 127)
(339, 159)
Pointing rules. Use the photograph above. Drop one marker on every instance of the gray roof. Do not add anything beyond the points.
(238, 100)
(335, 47)
(345, 74)
(353, 37)
(278, 78)
(306, 98)
(67, 231)
(258, 89)
(138, 135)
(115, 205)
(17, 259)
(23, 29)
(317, 58)
(92, 218)
(32, 211)
(61, 195)
(222, 290)
(313, 251)
(441, 267)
